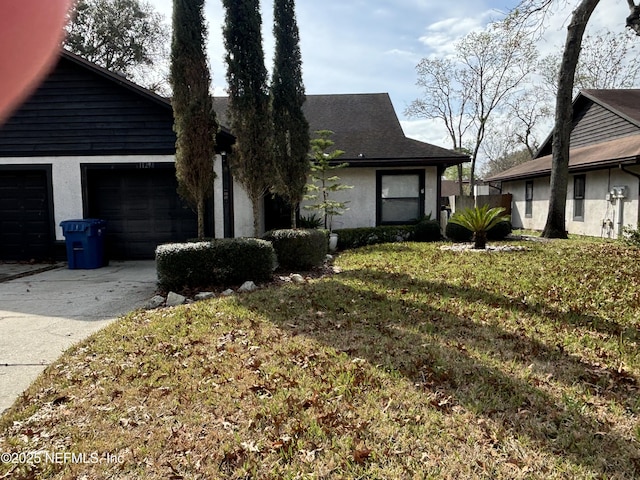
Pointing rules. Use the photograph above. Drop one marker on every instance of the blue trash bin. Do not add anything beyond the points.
(85, 242)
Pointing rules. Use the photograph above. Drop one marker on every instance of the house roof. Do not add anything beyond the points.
(624, 102)
(620, 151)
(612, 141)
(126, 83)
(367, 129)
(365, 126)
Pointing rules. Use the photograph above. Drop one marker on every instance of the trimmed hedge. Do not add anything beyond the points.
(500, 231)
(299, 249)
(425, 230)
(458, 233)
(225, 261)
(359, 237)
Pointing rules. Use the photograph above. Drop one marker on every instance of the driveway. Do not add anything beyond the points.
(43, 314)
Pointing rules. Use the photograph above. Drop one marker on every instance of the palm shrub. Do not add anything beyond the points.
(479, 220)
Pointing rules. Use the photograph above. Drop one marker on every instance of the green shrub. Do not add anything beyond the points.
(457, 233)
(218, 262)
(359, 237)
(479, 220)
(631, 236)
(299, 249)
(500, 230)
(312, 221)
(427, 230)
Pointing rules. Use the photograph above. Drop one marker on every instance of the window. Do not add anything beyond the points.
(578, 197)
(400, 196)
(528, 199)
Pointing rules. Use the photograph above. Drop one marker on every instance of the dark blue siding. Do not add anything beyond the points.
(79, 111)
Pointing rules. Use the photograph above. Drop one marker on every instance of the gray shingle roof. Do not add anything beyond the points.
(622, 102)
(367, 129)
(618, 151)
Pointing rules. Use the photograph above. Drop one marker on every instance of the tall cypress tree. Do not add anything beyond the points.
(248, 101)
(194, 118)
(291, 129)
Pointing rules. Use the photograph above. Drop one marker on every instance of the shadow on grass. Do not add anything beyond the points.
(386, 319)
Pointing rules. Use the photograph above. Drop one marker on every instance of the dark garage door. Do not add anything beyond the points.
(26, 231)
(141, 207)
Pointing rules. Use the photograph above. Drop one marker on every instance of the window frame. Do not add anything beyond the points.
(528, 199)
(579, 198)
(421, 194)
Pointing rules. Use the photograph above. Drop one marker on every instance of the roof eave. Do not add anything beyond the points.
(400, 162)
(582, 167)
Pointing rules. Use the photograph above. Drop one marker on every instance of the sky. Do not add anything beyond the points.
(373, 46)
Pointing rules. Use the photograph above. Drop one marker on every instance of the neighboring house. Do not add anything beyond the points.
(604, 169)
(91, 144)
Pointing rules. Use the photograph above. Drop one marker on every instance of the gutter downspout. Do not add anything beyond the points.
(633, 174)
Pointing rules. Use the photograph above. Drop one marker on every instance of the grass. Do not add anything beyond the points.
(412, 363)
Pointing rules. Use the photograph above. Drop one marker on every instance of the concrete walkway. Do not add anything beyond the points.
(43, 314)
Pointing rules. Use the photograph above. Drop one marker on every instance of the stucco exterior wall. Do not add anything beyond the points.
(362, 197)
(68, 202)
(601, 216)
(66, 179)
(242, 209)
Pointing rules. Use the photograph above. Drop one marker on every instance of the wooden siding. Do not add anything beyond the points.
(594, 124)
(77, 111)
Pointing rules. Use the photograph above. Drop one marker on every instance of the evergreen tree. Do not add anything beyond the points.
(250, 120)
(194, 118)
(323, 180)
(291, 129)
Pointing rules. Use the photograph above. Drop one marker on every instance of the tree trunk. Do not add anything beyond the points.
(294, 223)
(460, 179)
(633, 20)
(255, 205)
(480, 240)
(555, 226)
(201, 209)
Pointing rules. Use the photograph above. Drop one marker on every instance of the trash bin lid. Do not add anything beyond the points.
(80, 225)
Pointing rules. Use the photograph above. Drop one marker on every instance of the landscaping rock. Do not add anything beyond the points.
(154, 302)
(247, 287)
(175, 299)
(297, 278)
(227, 293)
(204, 295)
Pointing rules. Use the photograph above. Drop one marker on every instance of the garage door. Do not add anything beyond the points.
(141, 207)
(26, 224)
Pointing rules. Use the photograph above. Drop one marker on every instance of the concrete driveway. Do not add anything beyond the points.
(43, 314)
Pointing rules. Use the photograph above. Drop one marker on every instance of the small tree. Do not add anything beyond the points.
(323, 181)
(480, 220)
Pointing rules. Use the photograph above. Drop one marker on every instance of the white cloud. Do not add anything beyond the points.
(357, 46)
(430, 131)
(440, 37)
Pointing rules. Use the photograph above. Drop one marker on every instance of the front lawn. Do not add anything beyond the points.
(412, 363)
